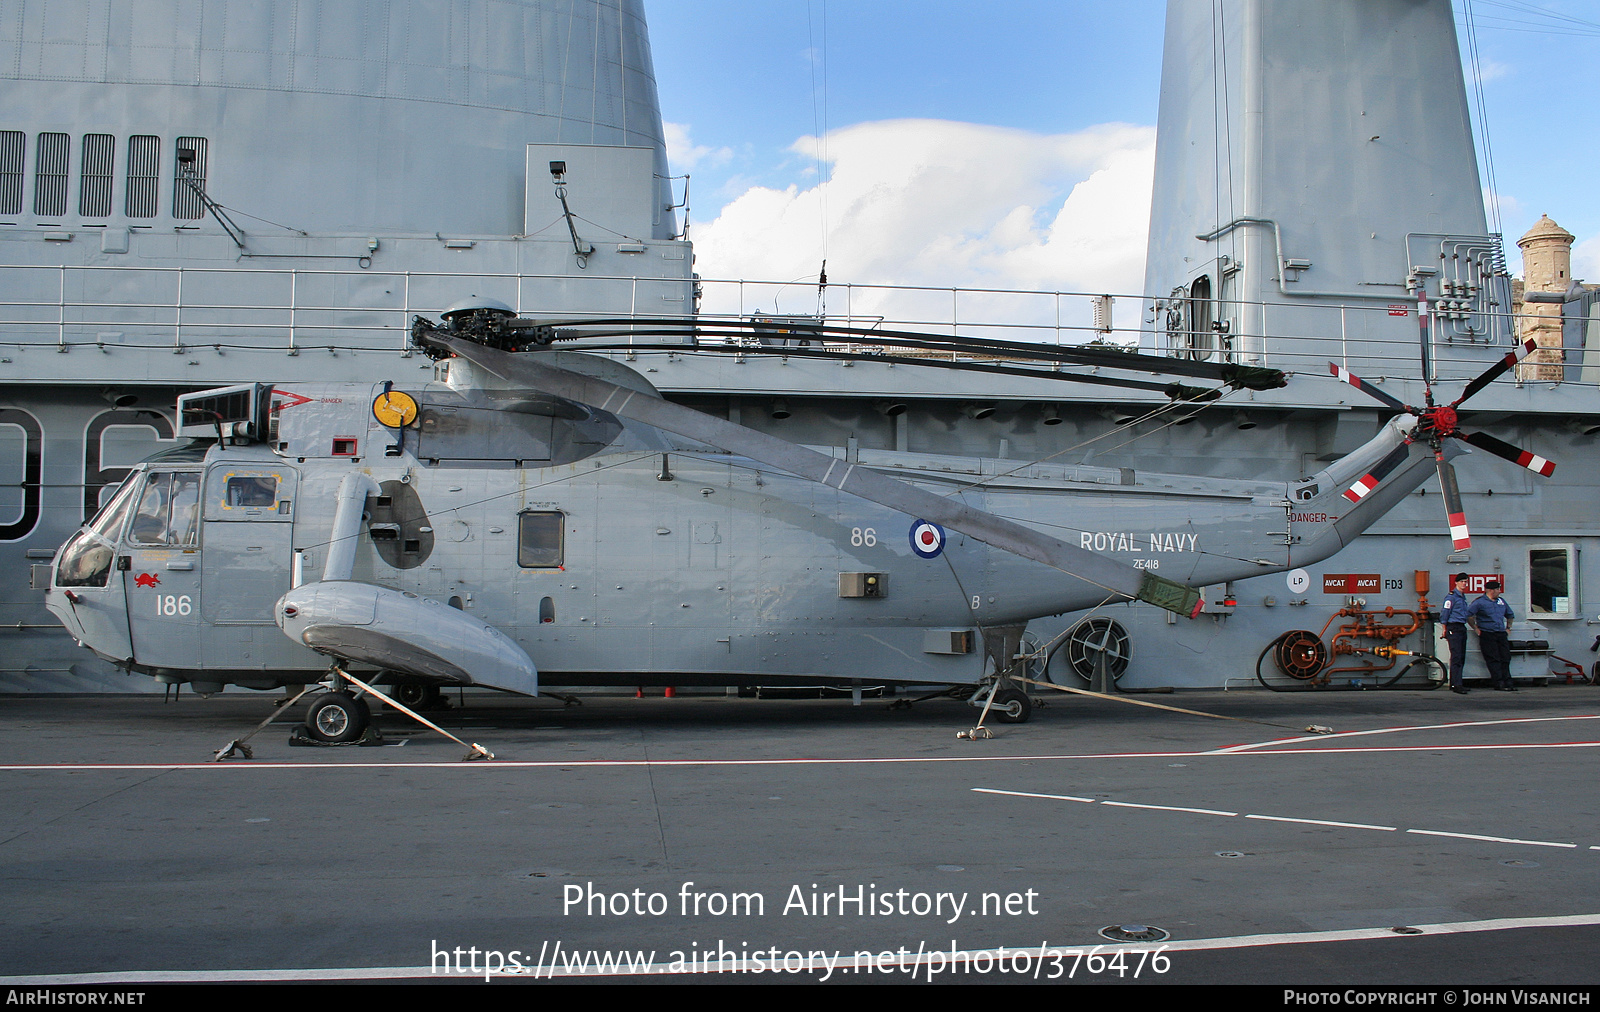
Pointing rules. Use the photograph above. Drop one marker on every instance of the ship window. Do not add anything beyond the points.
(13, 149)
(1202, 338)
(94, 188)
(189, 178)
(169, 509)
(50, 168)
(1551, 591)
(144, 175)
(539, 543)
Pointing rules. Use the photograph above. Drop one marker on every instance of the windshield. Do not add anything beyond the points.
(108, 522)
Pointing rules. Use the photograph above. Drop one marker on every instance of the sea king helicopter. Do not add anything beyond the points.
(538, 513)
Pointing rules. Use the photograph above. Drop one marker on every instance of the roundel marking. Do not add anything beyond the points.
(394, 409)
(927, 539)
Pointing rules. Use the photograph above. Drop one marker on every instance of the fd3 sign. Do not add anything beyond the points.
(927, 540)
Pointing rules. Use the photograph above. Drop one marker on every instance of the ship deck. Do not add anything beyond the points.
(1270, 856)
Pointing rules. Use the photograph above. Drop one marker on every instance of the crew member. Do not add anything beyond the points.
(1491, 618)
(1453, 613)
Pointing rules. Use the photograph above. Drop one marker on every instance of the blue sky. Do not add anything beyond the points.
(1051, 101)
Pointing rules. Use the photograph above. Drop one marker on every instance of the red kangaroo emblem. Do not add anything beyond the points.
(146, 580)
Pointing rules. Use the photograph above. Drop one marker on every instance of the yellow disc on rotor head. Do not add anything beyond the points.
(395, 409)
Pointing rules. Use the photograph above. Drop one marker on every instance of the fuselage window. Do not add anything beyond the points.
(169, 510)
(255, 491)
(539, 543)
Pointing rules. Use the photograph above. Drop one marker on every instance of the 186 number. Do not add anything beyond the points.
(172, 604)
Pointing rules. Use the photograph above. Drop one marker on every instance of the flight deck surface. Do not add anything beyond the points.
(653, 831)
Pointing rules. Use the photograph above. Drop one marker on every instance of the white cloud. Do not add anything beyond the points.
(684, 154)
(1586, 259)
(1509, 206)
(942, 204)
(1489, 70)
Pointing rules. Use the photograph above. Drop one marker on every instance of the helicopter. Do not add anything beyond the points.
(539, 513)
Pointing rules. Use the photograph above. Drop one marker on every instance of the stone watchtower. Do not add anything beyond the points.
(1546, 267)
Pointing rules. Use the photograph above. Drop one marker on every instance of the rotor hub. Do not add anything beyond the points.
(1442, 419)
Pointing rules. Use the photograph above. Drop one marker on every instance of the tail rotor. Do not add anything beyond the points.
(1435, 424)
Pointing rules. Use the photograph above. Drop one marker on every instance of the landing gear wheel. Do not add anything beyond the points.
(1011, 706)
(335, 718)
(417, 695)
(1300, 654)
(1093, 637)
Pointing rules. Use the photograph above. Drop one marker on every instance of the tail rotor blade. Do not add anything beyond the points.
(1454, 515)
(1494, 372)
(1364, 485)
(1346, 376)
(1522, 458)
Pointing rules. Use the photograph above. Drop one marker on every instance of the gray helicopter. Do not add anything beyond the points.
(540, 513)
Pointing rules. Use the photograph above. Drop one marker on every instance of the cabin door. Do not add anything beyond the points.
(160, 562)
(249, 527)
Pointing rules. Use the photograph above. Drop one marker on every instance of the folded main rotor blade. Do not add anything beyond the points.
(1455, 516)
(1495, 371)
(1363, 486)
(1120, 579)
(1345, 375)
(1517, 455)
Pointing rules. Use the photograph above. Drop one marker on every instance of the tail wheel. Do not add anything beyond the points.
(1011, 706)
(1093, 637)
(1300, 654)
(337, 717)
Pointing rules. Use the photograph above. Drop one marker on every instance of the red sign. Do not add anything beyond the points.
(1399, 309)
(1351, 583)
(1475, 581)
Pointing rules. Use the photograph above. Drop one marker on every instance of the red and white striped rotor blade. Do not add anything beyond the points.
(1515, 454)
(1346, 376)
(1494, 372)
(1363, 486)
(1455, 516)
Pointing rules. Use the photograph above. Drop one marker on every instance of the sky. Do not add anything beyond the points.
(1010, 144)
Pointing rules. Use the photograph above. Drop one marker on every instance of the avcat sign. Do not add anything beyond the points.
(1351, 583)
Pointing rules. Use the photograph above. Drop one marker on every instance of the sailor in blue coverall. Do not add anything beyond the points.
(1453, 613)
(1491, 618)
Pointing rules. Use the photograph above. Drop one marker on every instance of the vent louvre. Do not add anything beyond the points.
(144, 175)
(52, 165)
(94, 188)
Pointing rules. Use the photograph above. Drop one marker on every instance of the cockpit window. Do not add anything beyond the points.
(539, 540)
(108, 522)
(169, 510)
